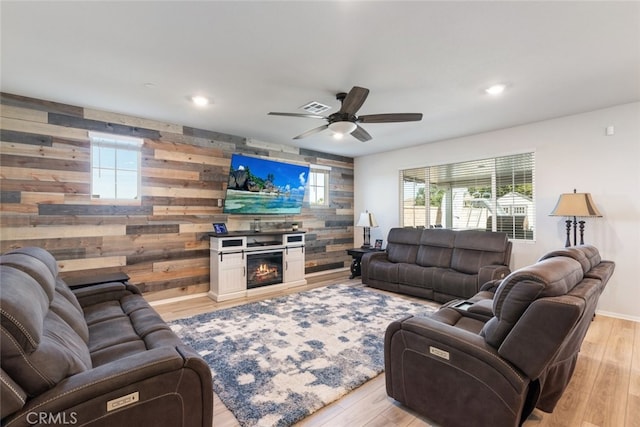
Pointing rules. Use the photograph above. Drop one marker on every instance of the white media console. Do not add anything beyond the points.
(245, 263)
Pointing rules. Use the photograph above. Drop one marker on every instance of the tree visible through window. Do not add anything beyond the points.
(115, 167)
(490, 194)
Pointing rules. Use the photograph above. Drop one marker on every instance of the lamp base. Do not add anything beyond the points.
(367, 238)
(568, 242)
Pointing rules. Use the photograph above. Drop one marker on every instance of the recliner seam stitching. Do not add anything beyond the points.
(91, 384)
(13, 389)
(27, 361)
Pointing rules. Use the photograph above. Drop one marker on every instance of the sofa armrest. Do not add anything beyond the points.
(153, 374)
(443, 343)
(369, 258)
(377, 255)
(438, 369)
(84, 281)
(490, 286)
(492, 272)
(103, 292)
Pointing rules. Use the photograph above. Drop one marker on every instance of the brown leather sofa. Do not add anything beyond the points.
(95, 355)
(474, 363)
(436, 263)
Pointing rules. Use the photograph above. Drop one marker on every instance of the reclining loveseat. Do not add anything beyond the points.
(95, 355)
(437, 263)
(491, 359)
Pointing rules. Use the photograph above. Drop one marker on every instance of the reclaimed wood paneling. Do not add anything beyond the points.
(161, 240)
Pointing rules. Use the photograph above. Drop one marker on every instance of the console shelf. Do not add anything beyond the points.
(283, 266)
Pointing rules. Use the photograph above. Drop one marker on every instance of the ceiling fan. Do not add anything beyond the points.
(345, 120)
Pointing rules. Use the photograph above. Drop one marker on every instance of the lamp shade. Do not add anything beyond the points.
(342, 127)
(575, 204)
(367, 219)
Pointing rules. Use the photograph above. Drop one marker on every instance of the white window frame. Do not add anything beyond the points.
(315, 189)
(119, 143)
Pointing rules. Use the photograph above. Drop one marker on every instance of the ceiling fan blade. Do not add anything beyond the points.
(361, 134)
(354, 100)
(390, 118)
(309, 116)
(311, 132)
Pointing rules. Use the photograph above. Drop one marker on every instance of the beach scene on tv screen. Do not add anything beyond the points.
(260, 186)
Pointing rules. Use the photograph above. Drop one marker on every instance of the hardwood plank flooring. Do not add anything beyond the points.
(604, 390)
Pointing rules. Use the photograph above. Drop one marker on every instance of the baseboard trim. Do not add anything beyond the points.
(311, 278)
(618, 316)
(177, 299)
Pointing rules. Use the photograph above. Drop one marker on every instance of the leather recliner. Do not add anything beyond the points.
(490, 360)
(97, 355)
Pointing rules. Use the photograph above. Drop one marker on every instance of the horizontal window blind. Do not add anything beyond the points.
(489, 194)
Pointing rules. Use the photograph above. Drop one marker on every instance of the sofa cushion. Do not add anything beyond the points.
(474, 249)
(571, 252)
(423, 277)
(402, 244)
(20, 290)
(123, 327)
(42, 266)
(436, 247)
(39, 347)
(547, 278)
(454, 284)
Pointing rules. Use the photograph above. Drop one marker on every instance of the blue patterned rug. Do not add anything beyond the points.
(277, 361)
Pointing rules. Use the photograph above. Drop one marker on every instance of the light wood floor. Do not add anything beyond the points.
(604, 389)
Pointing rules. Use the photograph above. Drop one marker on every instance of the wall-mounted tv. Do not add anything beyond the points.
(264, 187)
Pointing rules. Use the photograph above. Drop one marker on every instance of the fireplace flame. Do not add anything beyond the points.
(264, 272)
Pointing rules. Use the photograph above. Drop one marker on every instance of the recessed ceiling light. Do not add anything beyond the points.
(496, 89)
(200, 101)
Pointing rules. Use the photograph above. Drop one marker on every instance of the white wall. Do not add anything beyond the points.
(571, 152)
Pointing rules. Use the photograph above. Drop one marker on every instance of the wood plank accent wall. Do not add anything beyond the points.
(160, 241)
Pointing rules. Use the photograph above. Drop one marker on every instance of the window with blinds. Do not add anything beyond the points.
(115, 167)
(490, 194)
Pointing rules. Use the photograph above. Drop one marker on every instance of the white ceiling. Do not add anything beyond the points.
(435, 58)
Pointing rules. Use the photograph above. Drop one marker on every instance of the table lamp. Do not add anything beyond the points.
(367, 220)
(575, 205)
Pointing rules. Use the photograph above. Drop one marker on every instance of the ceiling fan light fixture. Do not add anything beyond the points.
(342, 127)
(496, 89)
(199, 100)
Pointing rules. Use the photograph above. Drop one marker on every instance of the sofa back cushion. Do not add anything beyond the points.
(587, 255)
(402, 244)
(436, 247)
(474, 249)
(39, 347)
(547, 278)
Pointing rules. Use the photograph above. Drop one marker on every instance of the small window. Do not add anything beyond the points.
(318, 187)
(115, 167)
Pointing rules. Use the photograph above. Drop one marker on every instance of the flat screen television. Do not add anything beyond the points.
(264, 187)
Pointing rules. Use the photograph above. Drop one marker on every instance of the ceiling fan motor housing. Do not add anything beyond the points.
(345, 120)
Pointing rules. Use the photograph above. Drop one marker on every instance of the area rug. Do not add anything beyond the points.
(277, 361)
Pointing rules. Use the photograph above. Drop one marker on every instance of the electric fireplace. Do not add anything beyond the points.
(264, 268)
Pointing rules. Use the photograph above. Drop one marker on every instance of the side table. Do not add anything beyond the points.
(357, 254)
